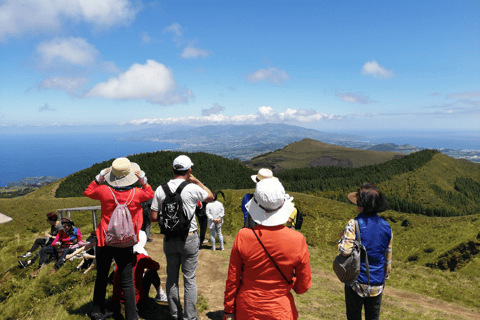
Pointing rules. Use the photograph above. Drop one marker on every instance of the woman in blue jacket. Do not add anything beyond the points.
(376, 235)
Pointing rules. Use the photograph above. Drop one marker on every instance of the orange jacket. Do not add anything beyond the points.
(255, 289)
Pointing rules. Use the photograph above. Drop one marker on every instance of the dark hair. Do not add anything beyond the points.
(52, 216)
(179, 172)
(67, 221)
(370, 199)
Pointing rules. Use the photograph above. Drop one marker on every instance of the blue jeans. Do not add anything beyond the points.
(183, 254)
(124, 260)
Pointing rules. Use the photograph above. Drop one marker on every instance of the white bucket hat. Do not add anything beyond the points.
(140, 246)
(270, 205)
(262, 174)
(122, 173)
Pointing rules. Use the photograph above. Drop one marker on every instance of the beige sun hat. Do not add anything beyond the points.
(262, 174)
(353, 197)
(270, 205)
(122, 173)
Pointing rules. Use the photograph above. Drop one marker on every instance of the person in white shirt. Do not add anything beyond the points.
(215, 214)
(180, 251)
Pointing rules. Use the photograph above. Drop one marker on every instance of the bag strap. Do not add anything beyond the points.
(362, 248)
(289, 282)
(126, 203)
(179, 190)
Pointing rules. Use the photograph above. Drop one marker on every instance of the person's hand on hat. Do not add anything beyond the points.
(141, 177)
(101, 176)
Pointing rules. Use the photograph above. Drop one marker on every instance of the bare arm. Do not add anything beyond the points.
(210, 196)
(154, 215)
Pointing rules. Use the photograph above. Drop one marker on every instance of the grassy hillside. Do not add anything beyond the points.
(312, 153)
(217, 172)
(418, 241)
(425, 182)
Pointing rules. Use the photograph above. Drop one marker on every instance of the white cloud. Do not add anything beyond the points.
(464, 95)
(177, 31)
(213, 110)
(191, 52)
(18, 17)
(152, 82)
(67, 84)
(264, 114)
(377, 71)
(146, 38)
(271, 75)
(46, 107)
(75, 51)
(354, 98)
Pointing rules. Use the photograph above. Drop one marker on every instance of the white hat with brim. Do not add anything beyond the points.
(262, 174)
(122, 173)
(182, 163)
(270, 205)
(140, 246)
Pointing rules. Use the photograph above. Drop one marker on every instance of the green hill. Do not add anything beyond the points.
(313, 153)
(435, 257)
(217, 172)
(418, 241)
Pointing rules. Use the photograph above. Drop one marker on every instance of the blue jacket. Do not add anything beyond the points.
(376, 234)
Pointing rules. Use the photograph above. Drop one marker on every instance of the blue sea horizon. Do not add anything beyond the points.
(59, 155)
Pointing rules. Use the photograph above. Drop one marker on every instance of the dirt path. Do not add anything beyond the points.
(212, 273)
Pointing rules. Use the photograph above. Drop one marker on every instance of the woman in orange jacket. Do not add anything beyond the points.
(267, 261)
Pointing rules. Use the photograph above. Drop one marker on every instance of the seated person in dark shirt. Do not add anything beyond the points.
(56, 226)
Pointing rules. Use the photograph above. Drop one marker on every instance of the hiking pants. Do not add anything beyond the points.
(354, 305)
(45, 253)
(183, 254)
(202, 224)
(150, 278)
(39, 242)
(124, 259)
(216, 230)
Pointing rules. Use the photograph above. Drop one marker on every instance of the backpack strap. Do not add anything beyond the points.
(289, 282)
(362, 248)
(127, 203)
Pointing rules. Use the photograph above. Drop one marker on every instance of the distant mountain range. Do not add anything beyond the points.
(245, 142)
(32, 181)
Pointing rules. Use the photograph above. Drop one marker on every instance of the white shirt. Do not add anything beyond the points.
(190, 195)
(215, 211)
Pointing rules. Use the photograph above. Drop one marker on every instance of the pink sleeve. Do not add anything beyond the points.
(233, 279)
(56, 238)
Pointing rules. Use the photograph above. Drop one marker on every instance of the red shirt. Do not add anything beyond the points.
(255, 289)
(102, 193)
(141, 263)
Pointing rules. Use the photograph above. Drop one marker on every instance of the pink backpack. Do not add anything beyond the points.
(120, 232)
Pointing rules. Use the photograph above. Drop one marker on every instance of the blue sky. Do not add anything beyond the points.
(326, 65)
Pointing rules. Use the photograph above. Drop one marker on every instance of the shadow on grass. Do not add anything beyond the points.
(215, 315)
(149, 310)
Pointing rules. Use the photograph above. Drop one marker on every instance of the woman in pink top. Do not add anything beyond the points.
(121, 176)
(267, 261)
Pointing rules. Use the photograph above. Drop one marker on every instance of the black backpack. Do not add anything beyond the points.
(299, 220)
(173, 220)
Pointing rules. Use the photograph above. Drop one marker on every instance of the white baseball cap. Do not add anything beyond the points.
(182, 163)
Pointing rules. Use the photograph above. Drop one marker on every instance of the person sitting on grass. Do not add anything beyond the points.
(56, 226)
(144, 275)
(66, 241)
(87, 254)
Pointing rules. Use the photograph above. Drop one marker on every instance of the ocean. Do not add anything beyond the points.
(59, 155)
